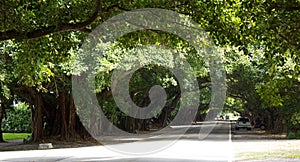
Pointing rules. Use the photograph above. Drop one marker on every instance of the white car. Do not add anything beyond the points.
(243, 122)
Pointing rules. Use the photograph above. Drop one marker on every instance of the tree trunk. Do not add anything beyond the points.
(274, 121)
(278, 126)
(72, 117)
(62, 104)
(59, 113)
(35, 100)
(68, 116)
(67, 123)
(1, 117)
(37, 117)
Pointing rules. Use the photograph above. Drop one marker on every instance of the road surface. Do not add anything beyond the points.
(190, 147)
(170, 147)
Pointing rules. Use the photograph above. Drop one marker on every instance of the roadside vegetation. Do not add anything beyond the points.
(17, 119)
(258, 42)
(16, 136)
(285, 154)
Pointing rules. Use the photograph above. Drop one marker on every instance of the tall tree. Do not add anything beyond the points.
(41, 37)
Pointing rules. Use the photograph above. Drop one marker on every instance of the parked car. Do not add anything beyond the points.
(243, 123)
(260, 125)
(227, 117)
(219, 118)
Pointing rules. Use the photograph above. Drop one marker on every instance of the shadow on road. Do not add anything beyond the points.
(108, 159)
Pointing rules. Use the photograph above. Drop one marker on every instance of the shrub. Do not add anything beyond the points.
(293, 127)
(293, 135)
(17, 119)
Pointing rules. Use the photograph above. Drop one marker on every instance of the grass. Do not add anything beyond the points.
(287, 154)
(15, 136)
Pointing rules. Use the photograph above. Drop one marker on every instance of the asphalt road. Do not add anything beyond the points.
(203, 142)
(200, 143)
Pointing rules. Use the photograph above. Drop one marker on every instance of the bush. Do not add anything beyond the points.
(293, 135)
(17, 120)
(293, 127)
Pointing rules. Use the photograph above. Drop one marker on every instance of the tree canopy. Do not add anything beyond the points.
(259, 40)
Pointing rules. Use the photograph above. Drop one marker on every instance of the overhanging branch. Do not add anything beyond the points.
(80, 26)
(287, 40)
(286, 8)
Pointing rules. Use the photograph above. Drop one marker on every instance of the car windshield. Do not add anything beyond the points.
(244, 120)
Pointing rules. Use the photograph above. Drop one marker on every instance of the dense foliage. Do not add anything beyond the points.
(18, 120)
(259, 40)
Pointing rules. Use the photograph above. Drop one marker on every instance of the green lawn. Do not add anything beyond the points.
(15, 136)
(288, 154)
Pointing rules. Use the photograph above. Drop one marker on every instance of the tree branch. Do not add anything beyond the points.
(115, 6)
(286, 8)
(287, 40)
(80, 26)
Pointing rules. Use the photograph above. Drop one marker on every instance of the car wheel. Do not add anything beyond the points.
(262, 127)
